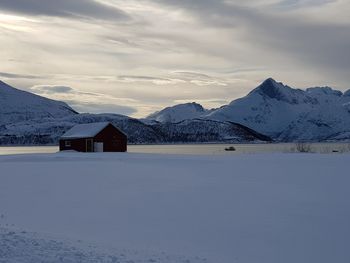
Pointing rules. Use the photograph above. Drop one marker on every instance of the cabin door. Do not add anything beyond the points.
(98, 146)
(89, 145)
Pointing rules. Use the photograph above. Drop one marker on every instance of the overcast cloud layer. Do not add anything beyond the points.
(135, 57)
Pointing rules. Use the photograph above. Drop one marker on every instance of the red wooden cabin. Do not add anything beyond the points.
(94, 137)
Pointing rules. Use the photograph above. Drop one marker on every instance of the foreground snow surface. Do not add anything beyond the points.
(71, 207)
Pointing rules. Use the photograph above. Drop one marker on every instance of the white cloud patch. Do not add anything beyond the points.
(101, 107)
(48, 89)
(7, 75)
(86, 101)
(200, 79)
(154, 80)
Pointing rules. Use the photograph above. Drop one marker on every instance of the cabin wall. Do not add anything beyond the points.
(76, 144)
(113, 140)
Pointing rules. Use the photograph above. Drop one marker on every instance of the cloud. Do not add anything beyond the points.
(154, 80)
(87, 102)
(18, 76)
(88, 107)
(192, 74)
(287, 4)
(64, 8)
(200, 79)
(305, 38)
(51, 89)
(172, 50)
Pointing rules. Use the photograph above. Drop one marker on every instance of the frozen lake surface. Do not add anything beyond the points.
(197, 148)
(142, 208)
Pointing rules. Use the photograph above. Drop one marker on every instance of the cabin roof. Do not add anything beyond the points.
(87, 130)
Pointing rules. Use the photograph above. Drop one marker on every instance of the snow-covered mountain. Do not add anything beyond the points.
(26, 118)
(179, 113)
(288, 114)
(18, 105)
(271, 109)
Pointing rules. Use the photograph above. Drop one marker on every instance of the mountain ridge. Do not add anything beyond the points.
(37, 120)
(271, 111)
(284, 113)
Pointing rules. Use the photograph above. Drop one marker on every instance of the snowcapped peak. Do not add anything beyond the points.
(195, 105)
(276, 90)
(324, 90)
(269, 87)
(270, 81)
(347, 93)
(178, 112)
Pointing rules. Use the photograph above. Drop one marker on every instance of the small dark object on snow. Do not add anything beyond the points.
(231, 148)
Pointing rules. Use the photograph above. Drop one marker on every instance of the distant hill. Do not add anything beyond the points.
(48, 131)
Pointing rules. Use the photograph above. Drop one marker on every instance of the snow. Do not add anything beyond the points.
(21, 246)
(86, 130)
(174, 208)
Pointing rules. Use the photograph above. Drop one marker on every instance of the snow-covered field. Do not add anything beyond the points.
(71, 207)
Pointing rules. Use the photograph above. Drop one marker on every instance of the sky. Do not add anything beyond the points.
(135, 57)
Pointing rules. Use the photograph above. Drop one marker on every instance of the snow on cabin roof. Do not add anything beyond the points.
(87, 130)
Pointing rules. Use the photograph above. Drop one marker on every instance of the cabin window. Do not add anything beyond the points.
(67, 144)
